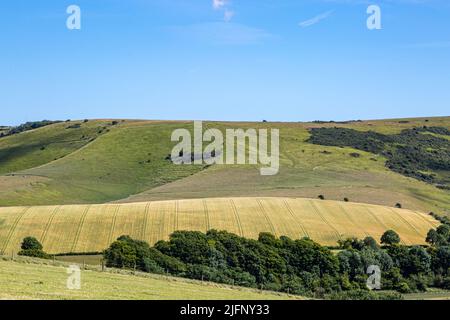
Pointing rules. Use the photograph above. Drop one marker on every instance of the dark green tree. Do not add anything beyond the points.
(419, 261)
(433, 237)
(370, 242)
(31, 243)
(390, 237)
(31, 247)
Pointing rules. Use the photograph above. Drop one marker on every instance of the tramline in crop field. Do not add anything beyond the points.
(91, 228)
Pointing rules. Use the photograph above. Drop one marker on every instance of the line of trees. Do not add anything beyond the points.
(27, 126)
(301, 266)
(294, 266)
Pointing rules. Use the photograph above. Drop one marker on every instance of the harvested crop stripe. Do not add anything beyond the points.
(84, 228)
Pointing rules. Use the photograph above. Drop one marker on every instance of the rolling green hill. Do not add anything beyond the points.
(33, 148)
(126, 163)
(122, 160)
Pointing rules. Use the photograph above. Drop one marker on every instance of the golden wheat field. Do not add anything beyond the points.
(91, 228)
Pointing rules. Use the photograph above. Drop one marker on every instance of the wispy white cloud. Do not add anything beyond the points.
(316, 19)
(218, 4)
(228, 15)
(223, 5)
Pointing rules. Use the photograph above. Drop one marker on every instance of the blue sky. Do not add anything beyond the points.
(283, 60)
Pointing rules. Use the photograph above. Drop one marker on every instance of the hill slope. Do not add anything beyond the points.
(124, 159)
(30, 279)
(37, 147)
(91, 228)
(126, 163)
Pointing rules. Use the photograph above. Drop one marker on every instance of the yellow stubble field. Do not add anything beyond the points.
(91, 228)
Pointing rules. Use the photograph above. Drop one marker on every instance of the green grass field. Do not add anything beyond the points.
(431, 294)
(93, 260)
(28, 278)
(126, 163)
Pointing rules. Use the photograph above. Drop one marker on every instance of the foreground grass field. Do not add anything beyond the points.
(432, 294)
(32, 279)
(97, 162)
(92, 228)
(27, 278)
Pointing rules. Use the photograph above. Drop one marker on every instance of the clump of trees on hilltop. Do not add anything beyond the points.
(295, 266)
(27, 126)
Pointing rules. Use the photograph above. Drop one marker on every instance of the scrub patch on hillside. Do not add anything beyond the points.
(422, 153)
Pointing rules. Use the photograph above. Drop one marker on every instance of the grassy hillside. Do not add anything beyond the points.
(308, 170)
(126, 163)
(124, 159)
(33, 148)
(92, 228)
(32, 279)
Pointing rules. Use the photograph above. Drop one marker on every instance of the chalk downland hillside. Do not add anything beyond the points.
(34, 279)
(102, 161)
(33, 148)
(92, 228)
(110, 162)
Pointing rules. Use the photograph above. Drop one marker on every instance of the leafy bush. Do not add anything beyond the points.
(390, 237)
(31, 243)
(403, 287)
(31, 247)
(126, 252)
